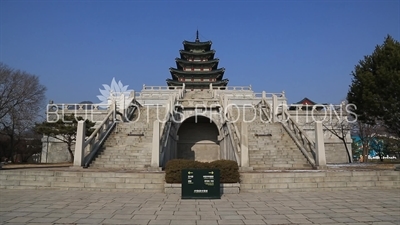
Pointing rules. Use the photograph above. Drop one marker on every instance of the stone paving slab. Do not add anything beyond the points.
(360, 207)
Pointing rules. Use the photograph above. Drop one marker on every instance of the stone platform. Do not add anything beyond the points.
(346, 177)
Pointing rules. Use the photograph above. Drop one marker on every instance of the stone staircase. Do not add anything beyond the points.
(129, 146)
(271, 148)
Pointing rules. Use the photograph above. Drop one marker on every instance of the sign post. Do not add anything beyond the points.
(201, 183)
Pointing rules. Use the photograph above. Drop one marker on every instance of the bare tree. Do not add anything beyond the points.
(21, 99)
(335, 120)
(340, 128)
(370, 133)
(366, 133)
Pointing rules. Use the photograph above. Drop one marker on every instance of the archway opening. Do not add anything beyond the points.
(198, 140)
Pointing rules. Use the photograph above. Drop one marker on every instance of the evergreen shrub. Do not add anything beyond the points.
(229, 170)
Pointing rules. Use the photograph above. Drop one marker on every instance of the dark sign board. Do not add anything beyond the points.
(200, 183)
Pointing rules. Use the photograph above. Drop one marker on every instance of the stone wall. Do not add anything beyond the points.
(334, 147)
(155, 182)
(55, 151)
(319, 181)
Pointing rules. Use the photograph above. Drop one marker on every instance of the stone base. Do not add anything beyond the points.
(245, 169)
(225, 188)
(320, 167)
(154, 169)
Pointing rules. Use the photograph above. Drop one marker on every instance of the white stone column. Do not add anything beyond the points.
(225, 102)
(122, 105)
(244, 145)
(264, 95)
(320, 160)
(274, 108)
(155, 150)
(79, 144)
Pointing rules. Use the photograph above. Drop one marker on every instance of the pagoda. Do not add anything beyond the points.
(197, 68)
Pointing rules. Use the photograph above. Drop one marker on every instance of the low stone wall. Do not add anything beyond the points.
(319, 180)
(86, 180)
(154, 182)
(224, 188)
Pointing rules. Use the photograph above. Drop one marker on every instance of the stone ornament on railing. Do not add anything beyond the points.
(113, 91)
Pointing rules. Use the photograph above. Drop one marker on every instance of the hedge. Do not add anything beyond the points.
(229, 170)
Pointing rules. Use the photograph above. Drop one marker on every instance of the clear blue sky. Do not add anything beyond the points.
(306, 48)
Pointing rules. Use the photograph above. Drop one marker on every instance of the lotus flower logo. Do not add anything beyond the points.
(114, 90)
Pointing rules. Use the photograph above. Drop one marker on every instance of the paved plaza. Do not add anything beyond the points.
(380, 207)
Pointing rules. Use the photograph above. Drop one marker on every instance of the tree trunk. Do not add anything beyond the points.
(365, 153)
(71, 153)
(347, 150)
(12, 152)
(380, 153)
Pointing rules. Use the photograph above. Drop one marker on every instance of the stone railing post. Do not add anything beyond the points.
(225, 102)
(244, 145)
(274, 107)
(114, 109)
(155, 150)
(283, 112)
(79, 144)
(320, 160)
(122, 104)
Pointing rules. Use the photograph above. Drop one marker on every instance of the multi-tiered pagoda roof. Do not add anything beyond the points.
(197, 68)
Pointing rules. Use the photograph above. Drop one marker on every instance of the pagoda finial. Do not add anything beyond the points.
(197, 35)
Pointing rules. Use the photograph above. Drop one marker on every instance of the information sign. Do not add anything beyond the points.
(201, 183)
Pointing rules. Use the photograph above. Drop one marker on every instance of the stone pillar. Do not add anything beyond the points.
(122, 105)
(320, 159)
(244, 145)
(274, 107)
(225, 102)
(155, 150)
(264, 95)
(79, 144)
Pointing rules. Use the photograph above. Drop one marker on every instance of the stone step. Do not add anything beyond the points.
(132, 147)
(277, 151)
(125, 153)
(83, 180)
(276, 157)
(126, 159)
(120, 165)
(261, 182)
(129, 137)
(129, 147)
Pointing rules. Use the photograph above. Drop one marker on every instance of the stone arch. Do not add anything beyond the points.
(198, 139)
